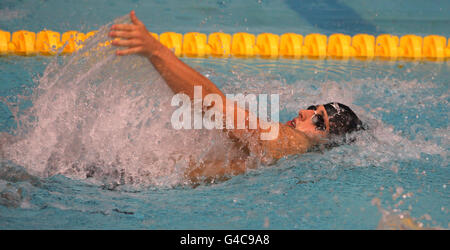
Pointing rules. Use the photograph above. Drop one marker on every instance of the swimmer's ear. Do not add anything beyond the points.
(134, 19)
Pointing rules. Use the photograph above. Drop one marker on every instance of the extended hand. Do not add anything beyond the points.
(135, 37)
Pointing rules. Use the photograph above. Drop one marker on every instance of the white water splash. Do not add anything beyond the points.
(98, 115)
(107, 117)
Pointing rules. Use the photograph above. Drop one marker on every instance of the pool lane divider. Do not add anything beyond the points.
(246, 45)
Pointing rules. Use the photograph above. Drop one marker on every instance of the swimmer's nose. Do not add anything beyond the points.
(305, 114)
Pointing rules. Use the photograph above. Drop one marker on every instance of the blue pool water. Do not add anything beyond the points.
(395, 175)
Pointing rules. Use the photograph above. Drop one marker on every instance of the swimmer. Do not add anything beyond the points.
(313, 126)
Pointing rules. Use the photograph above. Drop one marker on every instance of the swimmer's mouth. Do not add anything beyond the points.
(291, 123)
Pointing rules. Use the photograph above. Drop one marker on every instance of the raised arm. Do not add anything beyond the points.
(181, 78)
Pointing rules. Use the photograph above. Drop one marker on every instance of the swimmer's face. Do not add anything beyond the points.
(312, 121)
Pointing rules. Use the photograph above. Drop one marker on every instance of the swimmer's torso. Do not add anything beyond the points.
(237, 155)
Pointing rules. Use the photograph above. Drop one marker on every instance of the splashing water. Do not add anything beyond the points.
(381, 145)
(90, 128)
(98, 115)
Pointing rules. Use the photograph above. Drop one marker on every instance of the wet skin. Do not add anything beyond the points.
(305, 122)
(309, 128)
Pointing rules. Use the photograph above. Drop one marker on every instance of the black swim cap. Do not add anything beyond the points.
(342, 119)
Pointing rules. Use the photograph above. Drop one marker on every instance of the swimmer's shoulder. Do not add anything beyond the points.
(289, 142)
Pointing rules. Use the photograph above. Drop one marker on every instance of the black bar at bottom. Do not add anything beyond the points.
(224, 239)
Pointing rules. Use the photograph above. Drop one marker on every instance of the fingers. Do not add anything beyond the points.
(123, 27)
(130, 51)
(122, 34)
(126, 43)
(132, 35)
(134, 19)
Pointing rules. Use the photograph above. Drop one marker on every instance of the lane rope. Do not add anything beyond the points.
(246, 45)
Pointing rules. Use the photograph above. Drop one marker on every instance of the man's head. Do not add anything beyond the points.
(328, 120)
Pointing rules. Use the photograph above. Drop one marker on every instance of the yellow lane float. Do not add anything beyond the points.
(172, 41)
(244, 45)
(363, 46)
(291, 45)
(219, 44)
(315, 46)
(194, 44)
